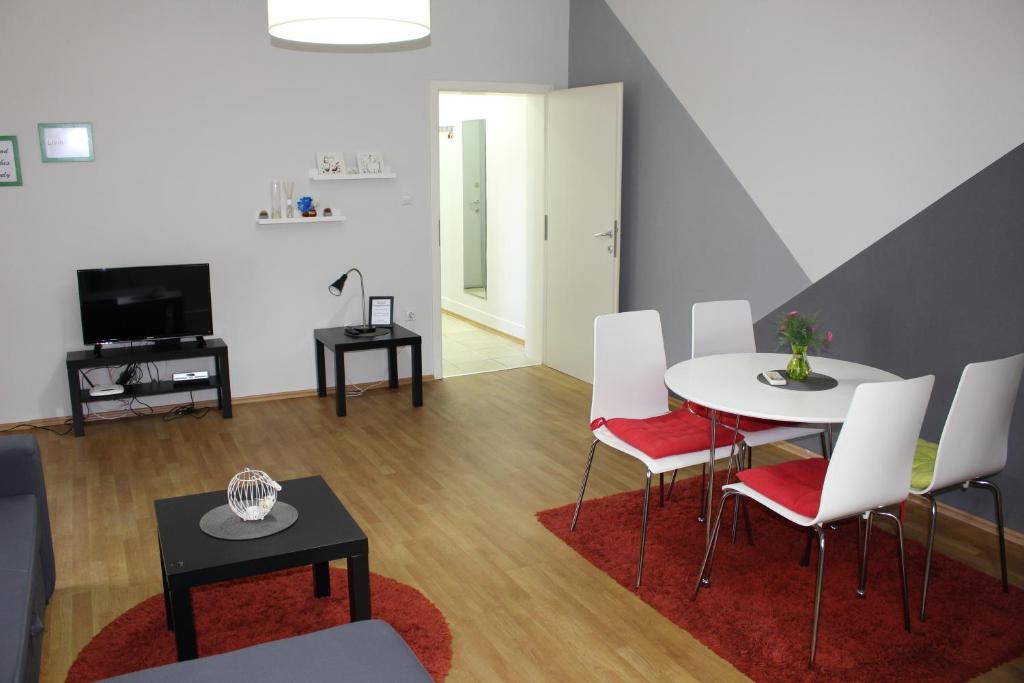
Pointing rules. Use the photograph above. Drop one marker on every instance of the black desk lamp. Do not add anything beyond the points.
(364, 330)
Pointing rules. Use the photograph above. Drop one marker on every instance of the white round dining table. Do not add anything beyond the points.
(729, 383)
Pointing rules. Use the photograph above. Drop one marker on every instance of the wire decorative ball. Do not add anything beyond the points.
(252, 494)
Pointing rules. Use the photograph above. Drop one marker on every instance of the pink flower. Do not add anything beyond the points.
(793, 312)
(828, 337)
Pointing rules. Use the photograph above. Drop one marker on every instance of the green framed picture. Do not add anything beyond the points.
(10, 164)
(61, 142)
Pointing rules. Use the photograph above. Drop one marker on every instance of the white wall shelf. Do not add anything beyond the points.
(300, 219)
(351, 176)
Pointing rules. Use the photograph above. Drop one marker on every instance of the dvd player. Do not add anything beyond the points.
(197, 376)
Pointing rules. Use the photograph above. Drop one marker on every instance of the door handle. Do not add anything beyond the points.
(606, 233)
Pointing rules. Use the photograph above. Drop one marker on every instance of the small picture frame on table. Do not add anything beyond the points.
(382, 311)
(62, 142)
(10, 163)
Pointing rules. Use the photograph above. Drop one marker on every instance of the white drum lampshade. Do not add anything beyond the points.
(348, 22)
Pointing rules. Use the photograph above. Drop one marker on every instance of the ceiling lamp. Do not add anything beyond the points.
(348, 22)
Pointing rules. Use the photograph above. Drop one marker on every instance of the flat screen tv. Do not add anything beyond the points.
(147, 302)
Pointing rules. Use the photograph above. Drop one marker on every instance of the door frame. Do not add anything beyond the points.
(436, 88)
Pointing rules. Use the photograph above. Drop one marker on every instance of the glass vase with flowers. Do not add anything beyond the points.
(801, 333)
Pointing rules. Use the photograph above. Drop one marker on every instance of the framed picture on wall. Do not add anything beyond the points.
(382, 311)
(371, 163)
(330, 164)
(59, 142)
(10, 163)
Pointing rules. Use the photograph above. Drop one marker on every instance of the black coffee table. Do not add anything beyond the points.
(324, 531)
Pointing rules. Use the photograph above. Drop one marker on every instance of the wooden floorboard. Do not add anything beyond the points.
(447, 495)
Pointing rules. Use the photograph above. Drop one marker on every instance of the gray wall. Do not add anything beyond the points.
(690, 232)
(942, 290)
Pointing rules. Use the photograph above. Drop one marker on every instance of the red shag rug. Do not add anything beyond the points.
(285, 607)
(757, 612)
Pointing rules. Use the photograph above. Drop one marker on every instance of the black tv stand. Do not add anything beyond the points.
(127, 355)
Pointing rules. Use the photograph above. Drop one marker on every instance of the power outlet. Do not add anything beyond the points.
(410, 315)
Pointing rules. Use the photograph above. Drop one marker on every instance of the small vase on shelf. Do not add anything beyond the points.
(798, 368)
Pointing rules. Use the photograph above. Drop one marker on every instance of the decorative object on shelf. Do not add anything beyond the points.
(289, 190)
(252, 494)
(800, 333)
(304, 204)
(370, 163)
(364, 330)
(263, 215)
(275, 198)
(10, 163)
(60, 142)
(382, 311)
(348, 22)
(330, 164)
(327, 212)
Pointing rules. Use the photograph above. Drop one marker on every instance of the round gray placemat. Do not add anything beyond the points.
(221, 522)
(814, 382)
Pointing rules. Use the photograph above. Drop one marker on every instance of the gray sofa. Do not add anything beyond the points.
(27, 572)
(363, 652)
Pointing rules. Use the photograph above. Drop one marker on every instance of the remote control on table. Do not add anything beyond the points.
(774, 378)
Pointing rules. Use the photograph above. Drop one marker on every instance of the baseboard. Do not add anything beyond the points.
(506, 328)
(211, 403)
(945, 510)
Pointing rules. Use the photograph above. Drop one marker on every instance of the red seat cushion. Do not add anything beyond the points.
(679, 431)
(747, 424)
(795, 484)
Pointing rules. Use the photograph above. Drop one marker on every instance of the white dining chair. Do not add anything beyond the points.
(719, 327)
(972, 448)
(869, 471)
(629, 392)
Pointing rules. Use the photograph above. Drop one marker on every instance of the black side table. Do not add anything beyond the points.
(337, 341)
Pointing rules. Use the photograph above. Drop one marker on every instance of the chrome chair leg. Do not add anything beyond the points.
(998, 499)
(583, 486)
(824, 447)
(903, 565)
(706, 511)
(704, 577)
(928, 553)
(661, 489)
(741, 504)
(750, 457)
(817, 593)
(672, 485)
(643, 529)
(703, 491)
(862, 583)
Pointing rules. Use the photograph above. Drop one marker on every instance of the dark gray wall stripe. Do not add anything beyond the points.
(690, 230)
(944, 289)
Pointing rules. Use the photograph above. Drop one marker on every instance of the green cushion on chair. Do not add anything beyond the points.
(924, 464)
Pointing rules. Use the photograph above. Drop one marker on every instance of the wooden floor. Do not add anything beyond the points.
(447, 495)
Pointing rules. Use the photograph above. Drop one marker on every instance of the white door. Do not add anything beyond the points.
(582, 197)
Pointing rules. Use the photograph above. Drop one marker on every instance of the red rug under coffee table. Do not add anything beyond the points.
(237, 614)
(757, 612)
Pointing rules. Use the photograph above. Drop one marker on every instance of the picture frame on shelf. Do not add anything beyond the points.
(370, 163)
(66, 142)
(382, 311)
(10, 162)
(330, 164)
